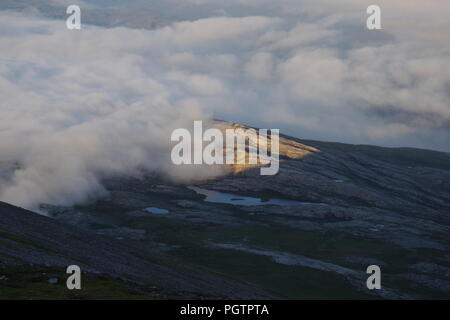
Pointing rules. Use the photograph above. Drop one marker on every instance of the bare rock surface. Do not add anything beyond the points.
(361, 205)
(28, 238)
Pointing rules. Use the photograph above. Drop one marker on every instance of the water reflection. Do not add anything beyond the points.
(230, 198)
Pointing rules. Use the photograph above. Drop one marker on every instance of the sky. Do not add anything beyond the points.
(77, 104)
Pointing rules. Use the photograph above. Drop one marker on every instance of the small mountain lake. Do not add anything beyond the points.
(230, 198)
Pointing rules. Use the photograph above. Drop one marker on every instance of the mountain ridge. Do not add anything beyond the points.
(357, 206)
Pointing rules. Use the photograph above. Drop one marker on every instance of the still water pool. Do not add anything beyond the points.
(230, 198)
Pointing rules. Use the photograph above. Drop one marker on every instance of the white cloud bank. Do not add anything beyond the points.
(77, 105)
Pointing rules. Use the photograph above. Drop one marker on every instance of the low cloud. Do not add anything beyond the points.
(79, 105)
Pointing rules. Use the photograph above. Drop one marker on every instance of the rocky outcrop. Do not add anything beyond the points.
(355, 206)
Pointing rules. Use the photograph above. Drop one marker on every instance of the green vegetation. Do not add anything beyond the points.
(25, 282)
(292, 282)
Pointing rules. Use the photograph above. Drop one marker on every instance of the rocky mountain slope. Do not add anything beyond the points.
(40, 249)
(308, 232)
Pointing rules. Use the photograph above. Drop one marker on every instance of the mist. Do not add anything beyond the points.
(77, 106)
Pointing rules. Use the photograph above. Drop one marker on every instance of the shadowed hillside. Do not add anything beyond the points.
(34, 249)
(309, 232)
